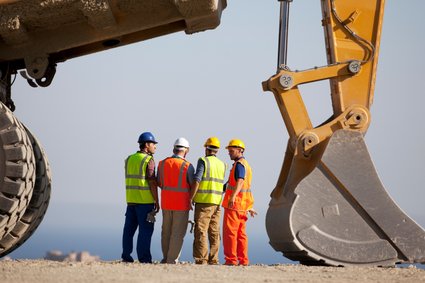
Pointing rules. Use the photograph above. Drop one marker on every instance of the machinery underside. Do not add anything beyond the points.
(35, 36)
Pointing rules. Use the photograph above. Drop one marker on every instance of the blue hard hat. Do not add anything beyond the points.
(147, 137)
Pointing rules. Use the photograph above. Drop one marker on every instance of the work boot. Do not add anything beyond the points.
(127, 259)
(145, 261)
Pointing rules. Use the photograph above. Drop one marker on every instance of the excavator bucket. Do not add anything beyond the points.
(339, 212)
(329, 206)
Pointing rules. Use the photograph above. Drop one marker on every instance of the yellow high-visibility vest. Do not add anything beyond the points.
(211, 186)
(137, 187)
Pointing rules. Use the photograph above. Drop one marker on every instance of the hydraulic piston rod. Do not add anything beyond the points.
(283, 34)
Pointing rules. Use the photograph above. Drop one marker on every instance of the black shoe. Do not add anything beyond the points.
(127, 260)
(145, 261)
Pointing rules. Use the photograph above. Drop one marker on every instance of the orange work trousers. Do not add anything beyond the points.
(235, 240)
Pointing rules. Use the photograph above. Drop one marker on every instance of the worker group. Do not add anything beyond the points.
(184, 188)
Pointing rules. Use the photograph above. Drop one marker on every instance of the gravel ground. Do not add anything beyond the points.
(22, 271)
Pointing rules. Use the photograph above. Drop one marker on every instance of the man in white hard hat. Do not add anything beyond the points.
(175, 178)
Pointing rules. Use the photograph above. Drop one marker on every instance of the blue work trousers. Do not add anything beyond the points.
(135, 217)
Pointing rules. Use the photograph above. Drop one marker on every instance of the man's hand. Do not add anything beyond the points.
(231, 202)
(156, 207)
(252, 212)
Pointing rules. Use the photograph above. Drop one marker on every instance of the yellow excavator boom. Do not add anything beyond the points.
(329, 198)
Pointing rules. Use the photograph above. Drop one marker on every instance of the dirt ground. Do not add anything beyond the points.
(30, 271)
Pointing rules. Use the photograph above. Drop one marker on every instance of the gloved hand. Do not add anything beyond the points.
(151, 217)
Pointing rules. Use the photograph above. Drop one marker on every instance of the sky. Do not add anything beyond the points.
(209, 84)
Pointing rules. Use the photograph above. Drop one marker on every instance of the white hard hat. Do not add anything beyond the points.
(181, 142)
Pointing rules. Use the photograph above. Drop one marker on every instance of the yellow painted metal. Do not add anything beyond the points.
(329, 206)
(351, 91)
(352, 35)
(364, 19)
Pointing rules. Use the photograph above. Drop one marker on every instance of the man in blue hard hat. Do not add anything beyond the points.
(142, 200)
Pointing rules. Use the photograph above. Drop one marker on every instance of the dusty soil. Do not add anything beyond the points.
(23, 271)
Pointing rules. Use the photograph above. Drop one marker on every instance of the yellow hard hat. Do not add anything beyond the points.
(212, 141)
(236, 143)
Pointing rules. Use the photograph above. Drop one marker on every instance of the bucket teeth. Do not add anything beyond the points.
(340, 213)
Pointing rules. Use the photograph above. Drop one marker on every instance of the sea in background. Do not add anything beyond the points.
(107, 245)
(100, 230)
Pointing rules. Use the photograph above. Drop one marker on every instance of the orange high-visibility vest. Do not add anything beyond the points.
(244, 199)
(172, 176)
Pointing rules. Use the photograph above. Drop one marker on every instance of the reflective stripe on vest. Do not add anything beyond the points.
(211, 186)
(175, 193)
(137, 187)
(241, 191)
(244, 199)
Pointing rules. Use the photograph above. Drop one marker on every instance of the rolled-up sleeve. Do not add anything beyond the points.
(200, 168)
(150, 170)
(190, 174)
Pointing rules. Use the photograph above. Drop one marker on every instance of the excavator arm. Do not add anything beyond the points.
(329, 198)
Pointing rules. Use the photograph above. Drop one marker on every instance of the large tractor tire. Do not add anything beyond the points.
(37, 207)
(17, 171)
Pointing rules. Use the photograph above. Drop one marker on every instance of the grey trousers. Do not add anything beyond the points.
(174, 226)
